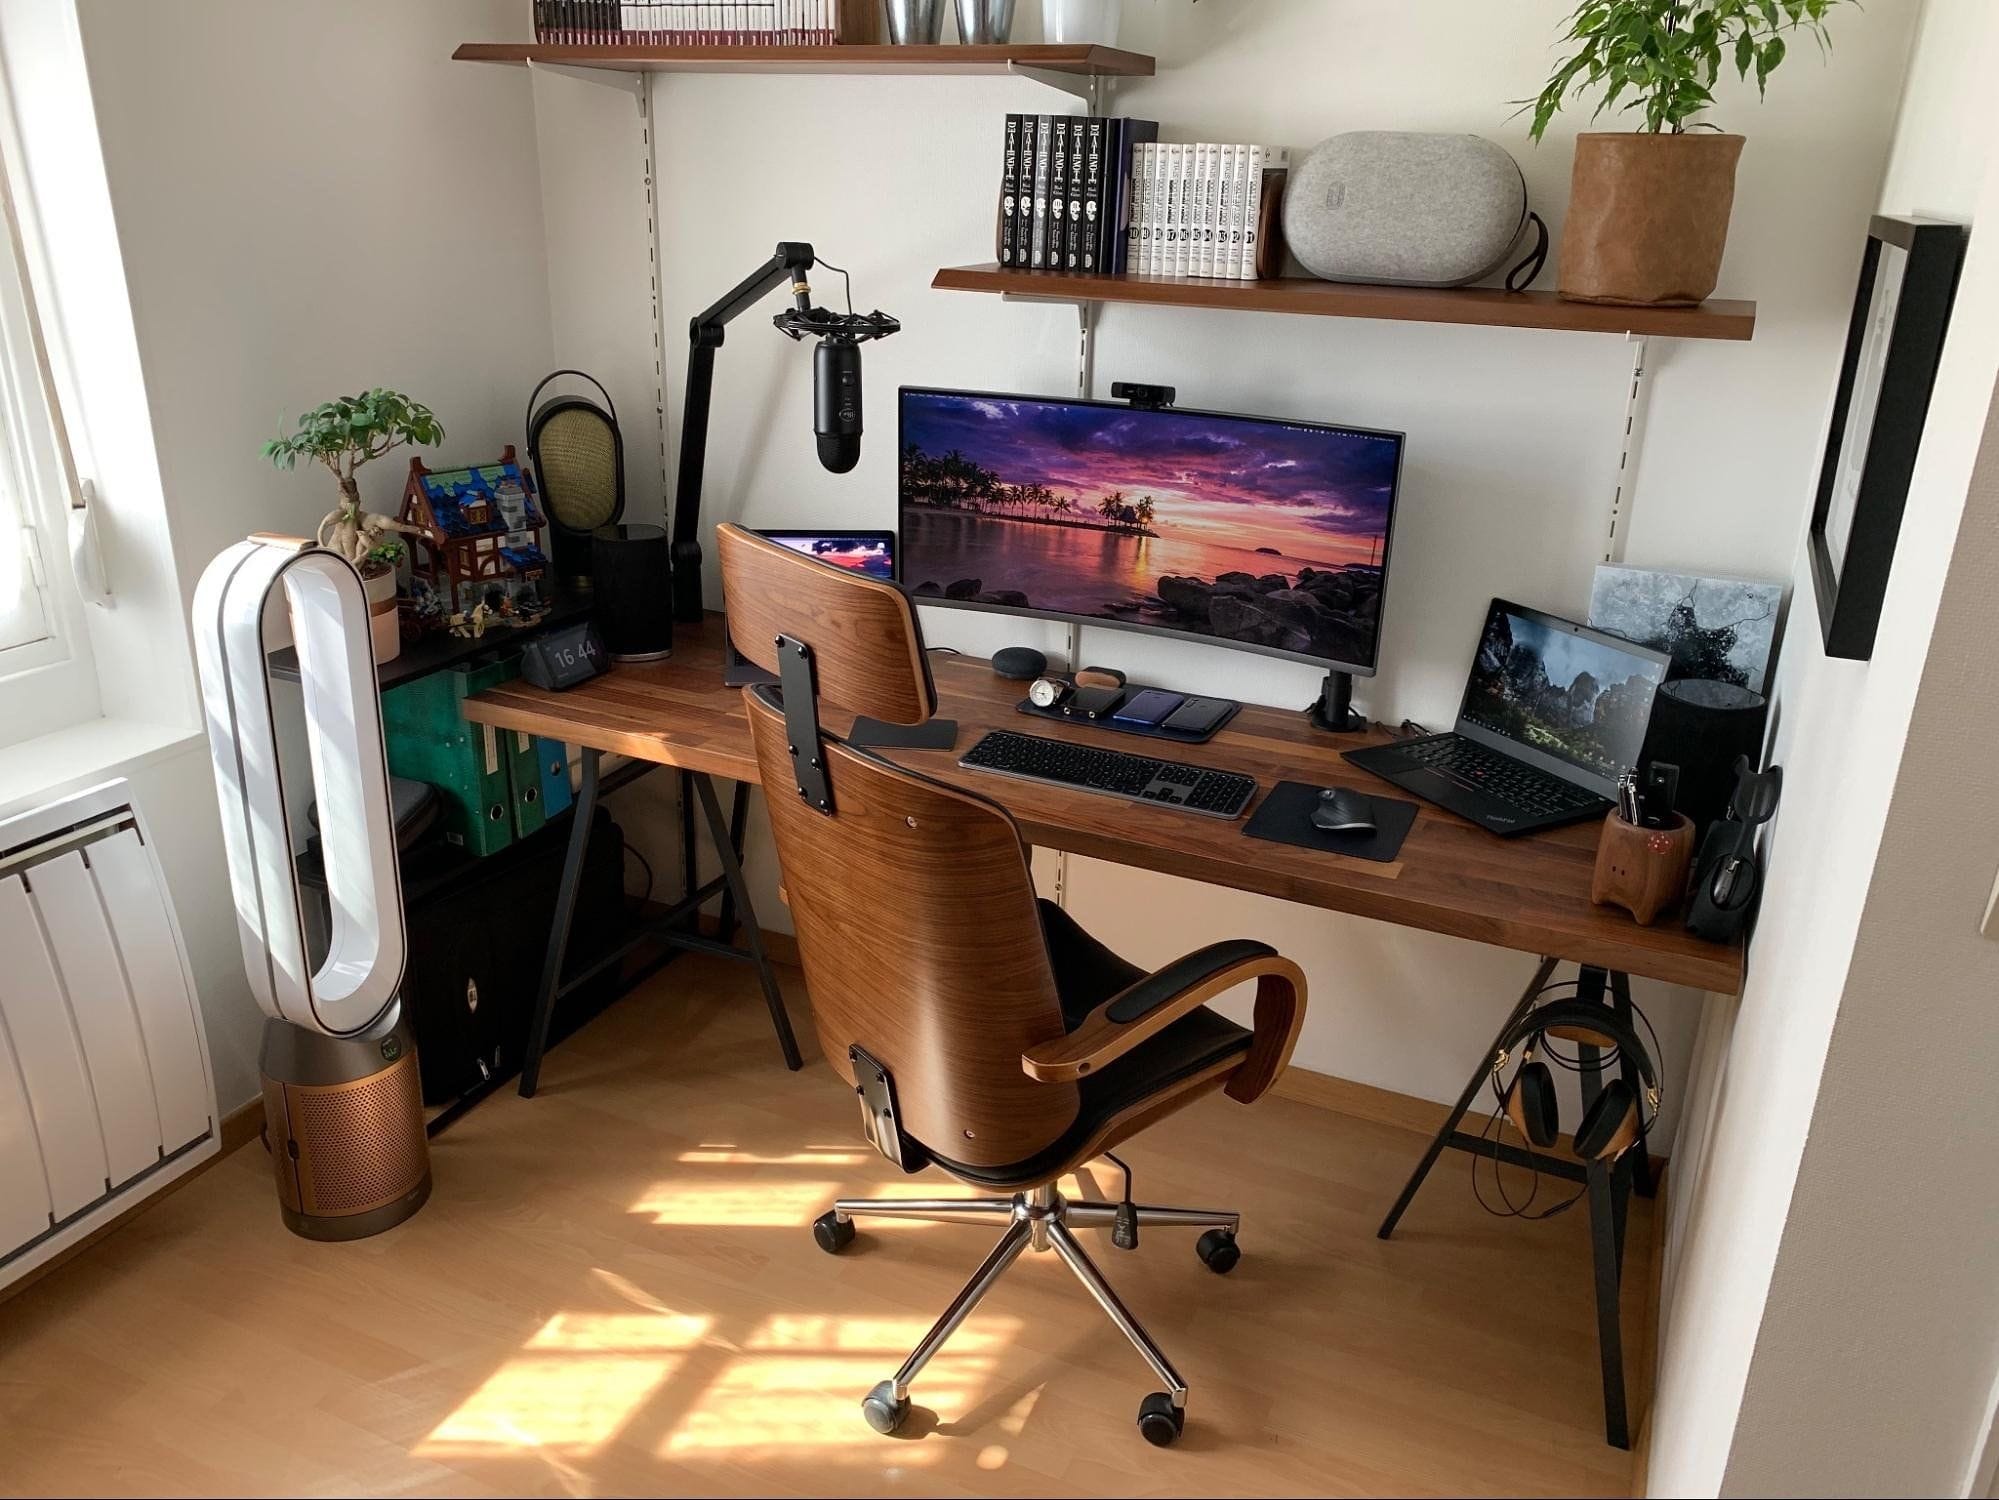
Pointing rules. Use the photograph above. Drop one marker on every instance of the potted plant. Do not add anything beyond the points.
(1648, 209)
(344, 434)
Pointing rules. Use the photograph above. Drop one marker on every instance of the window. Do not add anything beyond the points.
(46, 680)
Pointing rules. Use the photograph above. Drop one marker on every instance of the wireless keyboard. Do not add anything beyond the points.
(1220, 794)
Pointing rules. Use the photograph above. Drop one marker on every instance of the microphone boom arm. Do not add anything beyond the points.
(792, 259)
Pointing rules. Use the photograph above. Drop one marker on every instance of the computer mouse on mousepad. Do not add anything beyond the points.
(1287, 816)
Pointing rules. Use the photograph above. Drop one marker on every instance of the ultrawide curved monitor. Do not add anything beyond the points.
(1253, 532)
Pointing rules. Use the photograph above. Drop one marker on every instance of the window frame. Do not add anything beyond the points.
(50, 683)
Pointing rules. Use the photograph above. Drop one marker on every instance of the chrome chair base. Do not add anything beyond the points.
(1041, 1220)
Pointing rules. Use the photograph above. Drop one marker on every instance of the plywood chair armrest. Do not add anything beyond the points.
(1155, 1002)
(1274, 1024)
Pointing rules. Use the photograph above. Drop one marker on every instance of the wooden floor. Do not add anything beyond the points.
(613, 1291)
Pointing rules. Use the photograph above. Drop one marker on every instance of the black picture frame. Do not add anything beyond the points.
(1901, 307)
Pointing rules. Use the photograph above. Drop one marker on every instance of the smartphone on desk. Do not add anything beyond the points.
(1148, 709)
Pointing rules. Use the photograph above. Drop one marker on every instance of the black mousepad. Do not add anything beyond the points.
(1286, 818)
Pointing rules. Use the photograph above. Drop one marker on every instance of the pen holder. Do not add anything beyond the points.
(1643, 870)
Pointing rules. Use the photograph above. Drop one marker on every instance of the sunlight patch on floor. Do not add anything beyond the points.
(580, 1378)
(892, 1337)
(812, 1156)
(740, 1203)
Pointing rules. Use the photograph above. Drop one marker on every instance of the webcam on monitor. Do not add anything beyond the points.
(1149, 397)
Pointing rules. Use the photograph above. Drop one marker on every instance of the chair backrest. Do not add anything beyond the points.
(913, 902)
(921, 943)
(867, 649)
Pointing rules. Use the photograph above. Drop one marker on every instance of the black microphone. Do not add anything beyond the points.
(836, 402)
(836, 371)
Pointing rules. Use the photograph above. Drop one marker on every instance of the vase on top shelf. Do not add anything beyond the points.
(985, 23)
(1080, 21)
(915, 23)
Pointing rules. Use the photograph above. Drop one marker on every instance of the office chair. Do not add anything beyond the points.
(984, 1031)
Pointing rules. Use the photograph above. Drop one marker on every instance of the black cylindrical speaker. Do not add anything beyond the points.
(632, 567)
(1701, 726)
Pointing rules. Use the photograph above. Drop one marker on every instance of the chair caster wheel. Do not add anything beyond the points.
(832, 1232)
(1218, 1252)
(883, 1411)
(1159, 1419)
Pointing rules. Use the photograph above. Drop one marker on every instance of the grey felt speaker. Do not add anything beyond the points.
(1404, 208)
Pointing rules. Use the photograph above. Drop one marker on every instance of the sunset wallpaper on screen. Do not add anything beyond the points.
(1263, 532)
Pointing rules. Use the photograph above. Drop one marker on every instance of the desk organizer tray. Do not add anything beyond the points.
(1286, 818)
(1154, 732)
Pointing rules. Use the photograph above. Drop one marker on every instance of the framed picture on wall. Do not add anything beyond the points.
(1900, 310)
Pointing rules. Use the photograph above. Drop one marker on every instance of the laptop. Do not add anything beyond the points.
(1553, 714)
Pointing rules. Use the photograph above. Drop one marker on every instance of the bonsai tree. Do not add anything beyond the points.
(1663, 56)
(344, 434)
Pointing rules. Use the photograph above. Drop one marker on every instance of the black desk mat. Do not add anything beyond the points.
(1285, 817)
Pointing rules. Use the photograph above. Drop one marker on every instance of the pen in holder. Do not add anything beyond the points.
(1643, 870)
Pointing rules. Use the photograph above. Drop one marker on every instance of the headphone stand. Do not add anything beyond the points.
(1607, 1186)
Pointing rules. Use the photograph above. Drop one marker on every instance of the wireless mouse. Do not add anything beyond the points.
(1342, 811)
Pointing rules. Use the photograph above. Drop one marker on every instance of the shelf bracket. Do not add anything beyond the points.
(1630, 436)
(1089, 87)
(608, 78)
(1086, 348)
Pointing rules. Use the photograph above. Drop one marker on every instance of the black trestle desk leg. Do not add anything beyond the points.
(689, 879)
(739, 818)
(732, 872)
(1478, 1079)
(1637, 1158)
(580, 819)
(1607, 1188)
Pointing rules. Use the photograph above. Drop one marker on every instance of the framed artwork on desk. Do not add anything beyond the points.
(1908, 278)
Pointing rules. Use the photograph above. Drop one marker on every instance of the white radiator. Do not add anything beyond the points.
(105, 1089)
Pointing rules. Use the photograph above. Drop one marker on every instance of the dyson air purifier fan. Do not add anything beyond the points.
(343, 1108)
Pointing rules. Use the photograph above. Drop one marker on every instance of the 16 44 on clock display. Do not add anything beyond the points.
(560, 659)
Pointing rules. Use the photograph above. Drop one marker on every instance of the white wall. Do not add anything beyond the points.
(1512, 435)
(308, 200)
(1880, 1231)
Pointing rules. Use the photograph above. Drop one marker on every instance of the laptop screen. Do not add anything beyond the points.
(869, 552)
(1563, 691)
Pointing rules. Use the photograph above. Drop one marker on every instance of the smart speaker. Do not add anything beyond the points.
(1701, 726)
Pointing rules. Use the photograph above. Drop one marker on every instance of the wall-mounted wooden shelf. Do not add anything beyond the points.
(1478, 306)
(1078, 61)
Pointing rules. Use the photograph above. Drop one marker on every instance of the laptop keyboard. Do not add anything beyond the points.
(1472, 766)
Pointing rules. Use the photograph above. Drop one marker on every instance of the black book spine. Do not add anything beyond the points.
(1044, 136)
(1058, 192)
(1089, 232)
(1133, 134)
(1009, 190)
(1072, 220)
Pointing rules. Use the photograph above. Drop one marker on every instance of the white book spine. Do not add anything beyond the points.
(1134, 253)
(1170, 223)
(1155, 193)
(1238, 172)
(1252, 205)
(1198, 254)
(1183, 183)
(1190, 221)
(1211, 215)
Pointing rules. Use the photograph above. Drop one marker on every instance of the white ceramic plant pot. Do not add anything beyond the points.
(1080, 21)
(385, 626)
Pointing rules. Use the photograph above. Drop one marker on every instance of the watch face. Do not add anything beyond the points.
(1045, 693)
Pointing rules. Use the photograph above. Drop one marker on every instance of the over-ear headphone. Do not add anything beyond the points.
(1614, 1121)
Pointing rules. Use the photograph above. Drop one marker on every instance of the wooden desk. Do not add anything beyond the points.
(1529, 894)
(1452, 876)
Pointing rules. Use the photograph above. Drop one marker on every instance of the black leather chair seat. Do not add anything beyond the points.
(1086, 975)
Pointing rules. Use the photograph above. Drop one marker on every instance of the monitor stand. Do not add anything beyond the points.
(1334, 711)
